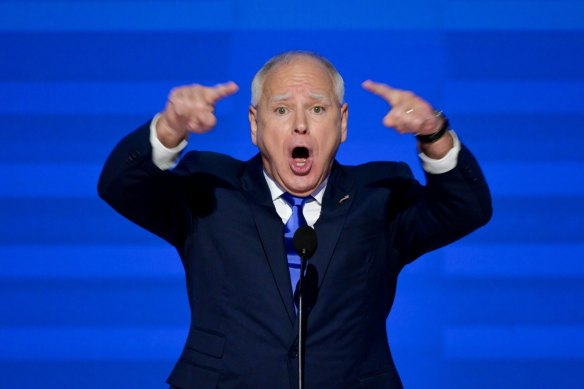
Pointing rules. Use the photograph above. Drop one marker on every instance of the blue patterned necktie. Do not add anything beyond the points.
(294, 222)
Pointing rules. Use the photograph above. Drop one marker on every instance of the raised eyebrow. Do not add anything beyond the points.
(318, 96)
(279, 98)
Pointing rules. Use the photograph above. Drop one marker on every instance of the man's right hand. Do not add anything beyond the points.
(190, 109)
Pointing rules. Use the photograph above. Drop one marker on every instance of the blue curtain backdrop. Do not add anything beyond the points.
(89, 300)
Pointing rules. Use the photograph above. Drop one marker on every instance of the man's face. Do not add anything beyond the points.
(298, 124)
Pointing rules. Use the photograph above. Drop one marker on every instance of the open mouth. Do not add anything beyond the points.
(300, 160)
(300, 153)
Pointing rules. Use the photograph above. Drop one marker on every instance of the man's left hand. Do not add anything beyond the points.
(410, 114)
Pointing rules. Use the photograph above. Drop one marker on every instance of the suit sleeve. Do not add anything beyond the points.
(137, 189)
(450, 206)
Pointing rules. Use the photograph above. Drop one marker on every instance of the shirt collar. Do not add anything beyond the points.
(276, 191)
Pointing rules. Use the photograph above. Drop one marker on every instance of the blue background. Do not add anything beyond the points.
(89, 300)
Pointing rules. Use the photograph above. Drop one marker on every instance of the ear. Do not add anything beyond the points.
(253, 123)
(344, 121)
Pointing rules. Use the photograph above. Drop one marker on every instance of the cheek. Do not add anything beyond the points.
(271, 142)
(330, 144)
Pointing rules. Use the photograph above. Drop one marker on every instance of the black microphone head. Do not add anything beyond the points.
(304, 241)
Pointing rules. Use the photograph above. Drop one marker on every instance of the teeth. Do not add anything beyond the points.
(300, 162)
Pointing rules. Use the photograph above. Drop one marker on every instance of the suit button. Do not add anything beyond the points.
(293, 352)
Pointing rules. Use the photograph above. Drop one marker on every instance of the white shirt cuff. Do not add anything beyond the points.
(444, 164)
(163, 157)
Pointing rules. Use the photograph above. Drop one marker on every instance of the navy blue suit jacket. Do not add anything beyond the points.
(218, 213)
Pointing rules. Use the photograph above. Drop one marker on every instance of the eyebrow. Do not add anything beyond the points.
(286, 96)
(278, 98)
(317, 96)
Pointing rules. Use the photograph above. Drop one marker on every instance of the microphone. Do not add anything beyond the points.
(304, 242)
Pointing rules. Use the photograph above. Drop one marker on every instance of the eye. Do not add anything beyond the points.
(281, 110)
(318, 109)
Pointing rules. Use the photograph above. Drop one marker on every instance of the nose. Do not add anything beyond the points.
(300, 123)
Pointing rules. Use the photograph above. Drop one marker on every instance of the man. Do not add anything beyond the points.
(226, 219)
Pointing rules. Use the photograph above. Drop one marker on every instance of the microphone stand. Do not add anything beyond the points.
(303, 261)
(305, 244)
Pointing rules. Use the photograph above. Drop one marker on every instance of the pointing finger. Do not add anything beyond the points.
(384, 91)
(220, 91)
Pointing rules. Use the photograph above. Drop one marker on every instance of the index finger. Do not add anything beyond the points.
(384, 91)
(220, 91)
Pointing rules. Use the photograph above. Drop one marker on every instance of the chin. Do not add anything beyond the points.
(304, 185)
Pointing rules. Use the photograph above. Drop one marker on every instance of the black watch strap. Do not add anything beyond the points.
(438, 134)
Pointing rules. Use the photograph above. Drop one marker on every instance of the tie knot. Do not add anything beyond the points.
(294, 201)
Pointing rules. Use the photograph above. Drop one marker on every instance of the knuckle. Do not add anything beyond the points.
(409, 94)
(199, 106)
(200, 117)
(179, 108)
(416, 122)
(196, 90)
(175, 93)
(193, 124)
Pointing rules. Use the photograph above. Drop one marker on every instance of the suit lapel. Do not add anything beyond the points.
(336, 204)
(337, 201)
(270, 229)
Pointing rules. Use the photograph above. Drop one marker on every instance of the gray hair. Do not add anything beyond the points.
(287, 57)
